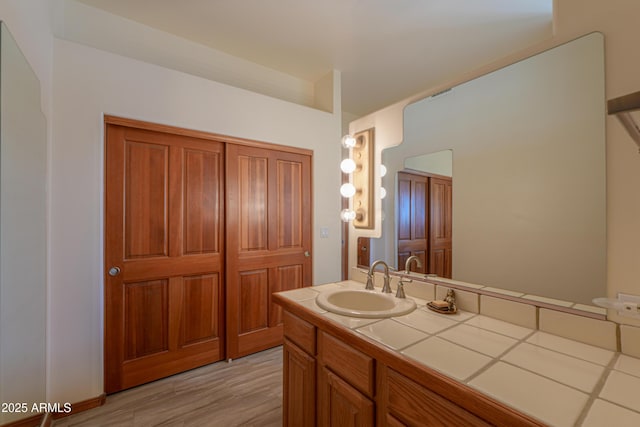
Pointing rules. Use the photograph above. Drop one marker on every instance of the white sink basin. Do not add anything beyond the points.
(363, 303)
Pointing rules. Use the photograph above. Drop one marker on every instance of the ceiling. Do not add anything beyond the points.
(386, 50)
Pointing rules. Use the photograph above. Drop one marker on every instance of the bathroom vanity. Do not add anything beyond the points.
(426, 368)
(339, 377)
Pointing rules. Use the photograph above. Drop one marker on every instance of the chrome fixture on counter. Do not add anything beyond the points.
(400, 290)
(386, 288)
(407, 264)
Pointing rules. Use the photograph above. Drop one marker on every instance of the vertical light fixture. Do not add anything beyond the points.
(359, 166)
(383, 172)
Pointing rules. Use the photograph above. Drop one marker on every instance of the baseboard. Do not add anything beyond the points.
(34, 421)
(85, 405)
(45, 420)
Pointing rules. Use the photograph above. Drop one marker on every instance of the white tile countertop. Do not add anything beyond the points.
(554, 379)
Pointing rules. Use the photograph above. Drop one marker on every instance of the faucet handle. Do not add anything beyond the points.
(369, 285)
(400, 290)
(386, 287)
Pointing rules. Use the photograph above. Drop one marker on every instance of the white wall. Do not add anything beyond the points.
(103, 30)
(23, 286)
(618, 21)
(30, 24)
(440, 163)
(89, 83)
(23, 237)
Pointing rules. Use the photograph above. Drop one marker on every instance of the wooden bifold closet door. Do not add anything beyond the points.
(268, 241)
(424, 215)
(184, 287)
(164, 255)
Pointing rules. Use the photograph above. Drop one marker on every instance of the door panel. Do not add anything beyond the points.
(163, 242)
(418, 207)
(201, 299)
(146, 330)
(287, 277)
(146, 199)
(201, 210)
(254, 301)
(404, 207)
(441, 199)
(252, 203)
(289, 200)
(413, 193)
(268, 230)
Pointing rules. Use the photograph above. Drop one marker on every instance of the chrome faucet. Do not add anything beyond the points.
(400, 290)
(386, 288)
(407, 264)
(407, 270)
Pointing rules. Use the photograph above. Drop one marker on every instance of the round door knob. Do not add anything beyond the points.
(114, 271)
(307, 254)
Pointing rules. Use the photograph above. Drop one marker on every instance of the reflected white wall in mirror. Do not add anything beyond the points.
(440, 163)
(529, 173)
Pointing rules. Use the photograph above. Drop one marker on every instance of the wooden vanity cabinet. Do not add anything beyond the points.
(402, 402)
(299, 372)
(340, 404)
(333, 377)
(331, 388)
(345, 384)
(299, 391)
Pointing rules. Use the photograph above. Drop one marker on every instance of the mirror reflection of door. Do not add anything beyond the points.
(424, 213)
(440, 204)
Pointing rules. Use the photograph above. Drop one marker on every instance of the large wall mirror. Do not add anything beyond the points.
(526, 150)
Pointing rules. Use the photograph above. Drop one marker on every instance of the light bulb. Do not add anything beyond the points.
(347, 215)
(348, 166)
(347, 190)
(383, 193)
(348, 141)
(383, 170)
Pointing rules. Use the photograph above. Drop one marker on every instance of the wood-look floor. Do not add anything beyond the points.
(245, 392)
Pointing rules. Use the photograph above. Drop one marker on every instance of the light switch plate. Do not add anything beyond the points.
(324, 232)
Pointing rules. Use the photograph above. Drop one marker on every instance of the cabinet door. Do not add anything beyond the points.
(299, 388)
(268, 237)
(341, 405)
(405, 402)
